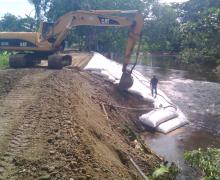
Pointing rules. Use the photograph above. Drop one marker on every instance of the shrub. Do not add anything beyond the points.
(4, 59)
(208, 161)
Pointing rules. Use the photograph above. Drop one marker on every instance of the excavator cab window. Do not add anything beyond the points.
(46, 27)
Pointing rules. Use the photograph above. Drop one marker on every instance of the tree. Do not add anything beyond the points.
(9, 22)
(12, 23)
(40, 7)
(201, 28)
(162, 30)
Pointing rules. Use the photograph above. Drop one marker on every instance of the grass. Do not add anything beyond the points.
(207, 160)
(4, 60)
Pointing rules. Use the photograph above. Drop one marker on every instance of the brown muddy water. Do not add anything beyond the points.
(198, 98)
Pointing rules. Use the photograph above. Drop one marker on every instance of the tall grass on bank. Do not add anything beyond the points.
(208, 161)
(4, 59)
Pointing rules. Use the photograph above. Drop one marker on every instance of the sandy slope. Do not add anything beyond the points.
(53, 126)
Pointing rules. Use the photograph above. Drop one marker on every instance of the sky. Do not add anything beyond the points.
(16, 7)
(170, 1)
(22, 7)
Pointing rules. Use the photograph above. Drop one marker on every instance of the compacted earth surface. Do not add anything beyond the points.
(68, 124)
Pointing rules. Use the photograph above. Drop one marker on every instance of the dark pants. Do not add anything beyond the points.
(154, 90)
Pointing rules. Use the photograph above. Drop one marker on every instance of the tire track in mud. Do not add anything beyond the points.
(14, 132)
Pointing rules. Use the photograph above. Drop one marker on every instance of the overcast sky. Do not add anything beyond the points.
(22, 7)
(16, 7)
(170, 1)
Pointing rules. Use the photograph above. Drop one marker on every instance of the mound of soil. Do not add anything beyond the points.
(7, 81)
(69, 124)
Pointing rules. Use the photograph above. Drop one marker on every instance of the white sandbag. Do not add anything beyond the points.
(139, 88)
(110, 76)
(172, 124)
(143, 95)
(160, 101)
(100, 74)
(100, 62)
(156, 117)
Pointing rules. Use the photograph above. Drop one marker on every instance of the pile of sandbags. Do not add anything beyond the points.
(164, 119)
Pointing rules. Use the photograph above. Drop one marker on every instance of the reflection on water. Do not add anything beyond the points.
(197, 98)
(196, 71)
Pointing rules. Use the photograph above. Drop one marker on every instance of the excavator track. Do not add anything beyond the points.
(22, 61)
(59, 61)
(17, 61)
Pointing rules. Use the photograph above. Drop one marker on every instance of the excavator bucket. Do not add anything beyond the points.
(126, 81)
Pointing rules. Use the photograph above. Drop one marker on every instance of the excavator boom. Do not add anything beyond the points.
(105, 18)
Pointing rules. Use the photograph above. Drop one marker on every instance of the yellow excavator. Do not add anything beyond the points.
(32, 47)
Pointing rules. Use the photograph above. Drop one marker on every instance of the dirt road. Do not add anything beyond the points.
(53, 125)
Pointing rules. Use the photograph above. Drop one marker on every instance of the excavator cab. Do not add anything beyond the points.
(45, 28)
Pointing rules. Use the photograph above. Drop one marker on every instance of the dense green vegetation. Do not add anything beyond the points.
(12, 23)
(165, 173)
(162, 30)
(4, 56)
(200, 26)
(191, 29)
(208, 161)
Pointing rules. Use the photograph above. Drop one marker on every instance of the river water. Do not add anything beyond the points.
(197, 94)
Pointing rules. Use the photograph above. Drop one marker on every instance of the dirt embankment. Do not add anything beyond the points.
(61, 125)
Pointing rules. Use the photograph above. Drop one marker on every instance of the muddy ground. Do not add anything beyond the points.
(63, 124)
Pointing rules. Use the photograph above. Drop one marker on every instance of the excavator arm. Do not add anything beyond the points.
(105, 18)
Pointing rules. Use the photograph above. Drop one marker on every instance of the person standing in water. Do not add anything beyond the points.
(153, 85)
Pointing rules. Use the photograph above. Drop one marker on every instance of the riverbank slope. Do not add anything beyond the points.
(65, 124)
